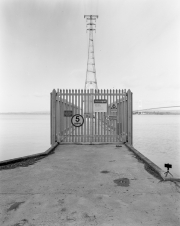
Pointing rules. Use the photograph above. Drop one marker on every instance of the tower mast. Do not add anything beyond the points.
(91, 81)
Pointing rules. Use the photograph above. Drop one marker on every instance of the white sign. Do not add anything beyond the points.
(77, 120)
(112, 117)
(114, 107)
(100, 105)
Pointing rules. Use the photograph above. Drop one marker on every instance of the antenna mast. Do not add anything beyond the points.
(91, 81)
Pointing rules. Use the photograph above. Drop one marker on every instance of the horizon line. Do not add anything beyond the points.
(28, 112)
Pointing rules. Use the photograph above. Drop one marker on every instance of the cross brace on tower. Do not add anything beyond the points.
(91, 81)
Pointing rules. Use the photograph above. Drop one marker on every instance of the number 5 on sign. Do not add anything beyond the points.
(77, 120)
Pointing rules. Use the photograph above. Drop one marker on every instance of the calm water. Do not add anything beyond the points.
(158, 138)
(22, 135)
(155, 136)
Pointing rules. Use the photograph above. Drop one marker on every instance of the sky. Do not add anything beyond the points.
(44, 46)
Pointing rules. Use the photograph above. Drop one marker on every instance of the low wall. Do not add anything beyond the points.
(158, 170)
(24, 158)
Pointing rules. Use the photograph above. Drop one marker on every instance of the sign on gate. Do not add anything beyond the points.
(114, 107)
(112, 117)
(100, 105)
(68, 113)
(77, 120)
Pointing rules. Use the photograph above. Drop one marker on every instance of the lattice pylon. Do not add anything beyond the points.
(91, 80)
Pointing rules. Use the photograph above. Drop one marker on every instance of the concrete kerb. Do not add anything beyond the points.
(20, 159)
(158, 170)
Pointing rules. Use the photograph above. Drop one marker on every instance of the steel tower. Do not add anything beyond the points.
(91, 81)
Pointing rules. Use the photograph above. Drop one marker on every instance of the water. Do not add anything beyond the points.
(158, 138)
(22, 135)
(155, 136)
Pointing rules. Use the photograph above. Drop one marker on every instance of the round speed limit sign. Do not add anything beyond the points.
(77, 120)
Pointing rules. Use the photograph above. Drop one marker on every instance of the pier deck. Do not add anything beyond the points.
(81, 185)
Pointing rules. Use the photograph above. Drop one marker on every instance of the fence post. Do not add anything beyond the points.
(129, 116)
(126, 116)
(124, 130)
(57, 117)
(53, 117)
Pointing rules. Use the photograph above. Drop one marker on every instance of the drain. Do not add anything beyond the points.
(15, 206)
(124, 182)
(118, 146)
(104, 171)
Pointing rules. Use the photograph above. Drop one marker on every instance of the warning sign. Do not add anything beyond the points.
(68, 113)
(114, 107)
(112, 117)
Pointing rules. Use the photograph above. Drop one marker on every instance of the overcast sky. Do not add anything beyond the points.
(44, 45)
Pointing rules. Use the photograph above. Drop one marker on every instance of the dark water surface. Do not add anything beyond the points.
(155, 136)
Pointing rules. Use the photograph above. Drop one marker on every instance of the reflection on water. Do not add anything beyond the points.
(155, 136)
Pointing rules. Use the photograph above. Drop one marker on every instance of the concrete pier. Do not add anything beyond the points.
(87, 185)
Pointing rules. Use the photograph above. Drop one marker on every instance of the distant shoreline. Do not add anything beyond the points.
(157, 113)
(25, 113)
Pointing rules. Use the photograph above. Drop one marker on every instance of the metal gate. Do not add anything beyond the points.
(91, 116)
